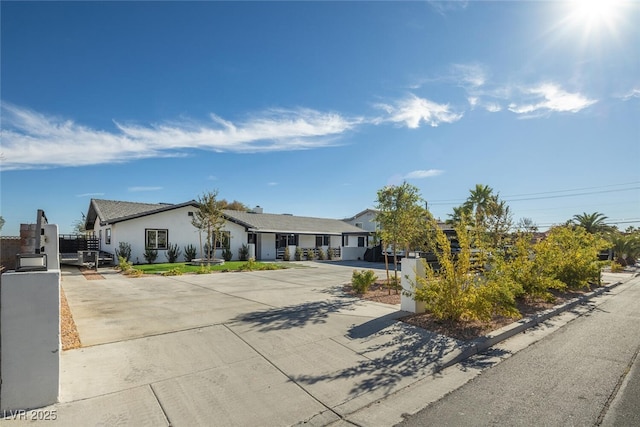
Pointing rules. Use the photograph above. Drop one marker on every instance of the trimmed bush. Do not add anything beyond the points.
(298, 254)
(310, 254)
(321, 255)
(286, 256)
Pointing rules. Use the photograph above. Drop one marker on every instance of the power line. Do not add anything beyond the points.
(552, 194)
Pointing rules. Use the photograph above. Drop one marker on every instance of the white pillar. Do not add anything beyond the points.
(411, 267)
(30, 330)
(51, 244)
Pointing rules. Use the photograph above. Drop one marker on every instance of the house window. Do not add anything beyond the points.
(251, 238)
(189, 213)
(359, 224)
(156, 239)
(361, 241)
(107, 236)
(322, 240)
(224, 240)
(345, 240)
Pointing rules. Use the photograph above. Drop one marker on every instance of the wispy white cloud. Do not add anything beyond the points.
(143, 188)
(469, 75)
(272, 184)
(444, 7)
(89, 194)
(547, 98)
(420, 174)
(633, 93)
(412, 110)
(492, 107)
(34, 140)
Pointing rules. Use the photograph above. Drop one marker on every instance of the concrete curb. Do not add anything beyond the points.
(483, 343)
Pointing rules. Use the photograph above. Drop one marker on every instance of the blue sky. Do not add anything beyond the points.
(309, 108)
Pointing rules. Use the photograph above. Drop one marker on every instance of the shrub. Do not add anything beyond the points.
(250, 265)
(150, 255)
(298, 254)
(243, 253)
(124, 251)
(311, 254)
(227, 255)
(616, 268)
(127, 269)
(570, 255)
(173, 272)
(455, 292)
(321, 255)
(361, 280)
(173, 253)
(329, 253)
(286, 256)
(190, 253)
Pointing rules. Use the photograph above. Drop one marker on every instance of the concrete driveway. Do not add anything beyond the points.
(256, 348)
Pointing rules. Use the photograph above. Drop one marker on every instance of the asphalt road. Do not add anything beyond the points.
(584, 374)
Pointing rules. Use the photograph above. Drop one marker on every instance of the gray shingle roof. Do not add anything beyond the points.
(111, 211)
(276, 223)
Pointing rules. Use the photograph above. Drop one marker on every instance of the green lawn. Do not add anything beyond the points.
(183, 267)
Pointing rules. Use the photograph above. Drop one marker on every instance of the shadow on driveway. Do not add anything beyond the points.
(295, 316)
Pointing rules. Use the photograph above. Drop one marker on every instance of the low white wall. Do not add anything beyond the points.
(350, 253)
(30, 331)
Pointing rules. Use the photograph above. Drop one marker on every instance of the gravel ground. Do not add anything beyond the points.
(68, 331)
(464, 331)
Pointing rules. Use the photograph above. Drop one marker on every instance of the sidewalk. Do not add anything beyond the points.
(260, 348)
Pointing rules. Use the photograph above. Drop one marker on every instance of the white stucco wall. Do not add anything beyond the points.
(368, 220)
(30, 334)
(307, 241)
(267, 246)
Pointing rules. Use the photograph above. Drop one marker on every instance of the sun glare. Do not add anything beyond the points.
(596, 15)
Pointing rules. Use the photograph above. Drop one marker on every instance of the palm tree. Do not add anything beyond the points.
(478, 201)
(626, 248)
(594, 223)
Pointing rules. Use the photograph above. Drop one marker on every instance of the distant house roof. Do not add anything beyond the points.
(113, 211)
(287, 224)
(359, 214)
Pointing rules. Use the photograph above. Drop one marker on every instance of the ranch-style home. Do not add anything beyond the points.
(156, 226)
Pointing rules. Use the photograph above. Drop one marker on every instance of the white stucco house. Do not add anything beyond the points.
(156, 226)
(365, 220)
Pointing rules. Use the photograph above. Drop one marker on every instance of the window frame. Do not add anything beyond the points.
(107, 236)
(157, 232)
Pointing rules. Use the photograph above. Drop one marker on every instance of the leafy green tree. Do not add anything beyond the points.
(233, 206)
(210, 220)
(1, 223)
(79, 226)
(401, 217)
